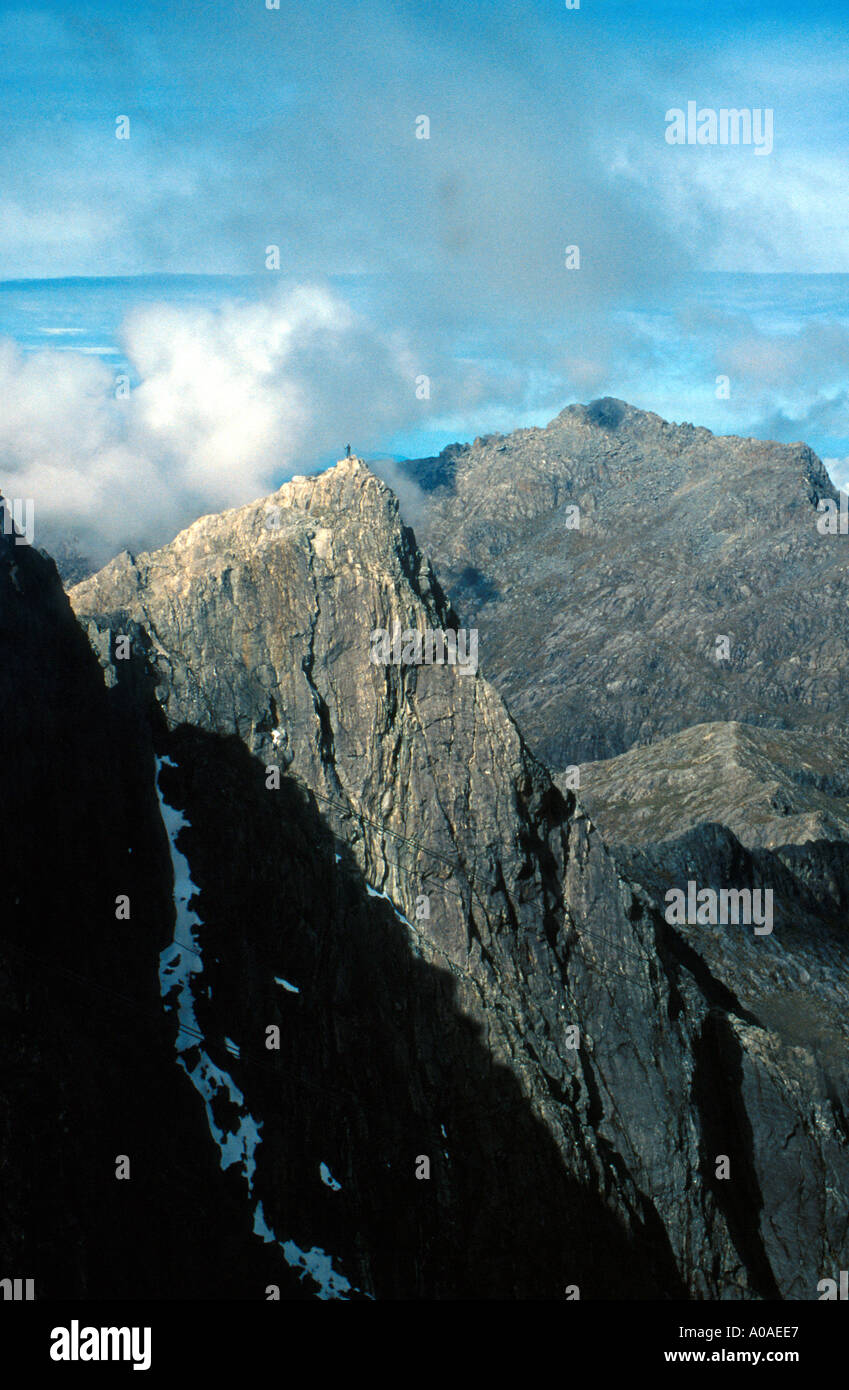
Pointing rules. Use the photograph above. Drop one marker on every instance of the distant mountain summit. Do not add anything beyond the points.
(631, 577)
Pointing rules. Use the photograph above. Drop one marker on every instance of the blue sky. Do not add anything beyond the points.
(445, 257)
(250, 125)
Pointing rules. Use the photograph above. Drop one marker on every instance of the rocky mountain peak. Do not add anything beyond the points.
(362, 860)
(450, 844)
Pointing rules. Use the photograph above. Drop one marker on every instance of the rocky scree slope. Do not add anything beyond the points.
(257, 626)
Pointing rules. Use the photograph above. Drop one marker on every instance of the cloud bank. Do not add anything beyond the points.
(295, 127)
(224, 405)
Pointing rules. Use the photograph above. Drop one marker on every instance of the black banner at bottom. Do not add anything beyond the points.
(88, 1339)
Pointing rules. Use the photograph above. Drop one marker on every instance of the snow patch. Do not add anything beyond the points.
(179, 963)
(373, 893)
(328, 1179)
(315, 1262)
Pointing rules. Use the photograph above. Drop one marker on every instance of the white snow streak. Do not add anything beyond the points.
(373, 893)
(316, 1263)
(293, 989)
(178, 963)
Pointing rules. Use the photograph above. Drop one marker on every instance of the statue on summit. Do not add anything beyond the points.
(347, 451)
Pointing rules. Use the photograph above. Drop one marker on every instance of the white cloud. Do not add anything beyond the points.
(838, 470)
(227, 403)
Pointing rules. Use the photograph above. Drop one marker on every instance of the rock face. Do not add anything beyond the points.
(600, 626)
(375, 864)
(782, 803)
(726, 773)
